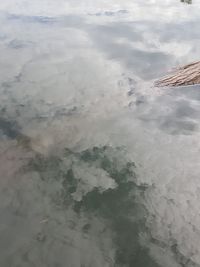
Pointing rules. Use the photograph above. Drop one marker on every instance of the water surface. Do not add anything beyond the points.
(98, 167)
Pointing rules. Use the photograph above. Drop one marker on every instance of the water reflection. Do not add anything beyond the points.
(187, 1)
(173, 113)
(98, 168)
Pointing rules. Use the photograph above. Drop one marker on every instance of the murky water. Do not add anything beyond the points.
(98, 167)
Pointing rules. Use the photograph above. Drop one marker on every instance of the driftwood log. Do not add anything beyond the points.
(186, 75)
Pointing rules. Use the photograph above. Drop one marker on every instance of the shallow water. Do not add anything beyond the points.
(98, 167)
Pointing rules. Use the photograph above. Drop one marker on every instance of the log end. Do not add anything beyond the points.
(186, 75)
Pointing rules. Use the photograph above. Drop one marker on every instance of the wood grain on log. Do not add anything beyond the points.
(186, 75)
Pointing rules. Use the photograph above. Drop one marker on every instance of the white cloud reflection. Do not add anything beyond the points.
(79, 74)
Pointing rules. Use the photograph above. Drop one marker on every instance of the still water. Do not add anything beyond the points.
(97, 167)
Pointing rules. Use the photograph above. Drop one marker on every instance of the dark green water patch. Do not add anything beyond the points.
(10, 129)
(120, 206)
